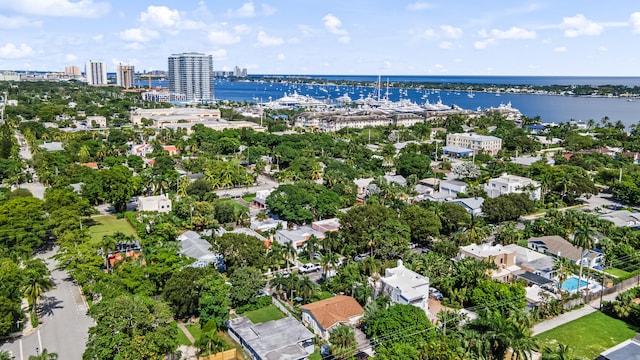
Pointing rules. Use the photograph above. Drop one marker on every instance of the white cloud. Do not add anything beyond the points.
(245, 11)
(266, 40)
(241, 29)
(222, 37)
(219, 54)
(420, 5)
(451, 32)
(306, 30)
(11, 51)
(66, 8)
(514, 33)
(17, 22)
(481, 45)
(458, 60)
(560, 49)
(268, 10)
(634, 19)
(441, 68)
(603, 48)
(281, 56)
(98, 38)
(429, 34)
(579, 25)
(344, 39)
(160, 16)
(333, 25)
(70, 57)
(386, 65)
(138, 35)
(447, 45)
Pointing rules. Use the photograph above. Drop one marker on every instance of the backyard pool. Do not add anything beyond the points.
(571, 284)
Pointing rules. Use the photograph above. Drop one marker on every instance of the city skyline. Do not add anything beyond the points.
(571, 38)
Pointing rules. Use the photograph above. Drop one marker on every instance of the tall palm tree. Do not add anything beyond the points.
(561, 352)
(328, 261)
(289, 253)
(584, 239)
(107, 245)
(343, 342)
(312, 245)
(183, 185)
(35, 285)
(45, 355)
(305, 288)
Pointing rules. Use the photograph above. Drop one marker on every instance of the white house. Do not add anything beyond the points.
(324, 315)
(487, 144)
(453, 186)
(472, 205)
(404, 286)
(297, 237)
(512, 184)
(159, 203)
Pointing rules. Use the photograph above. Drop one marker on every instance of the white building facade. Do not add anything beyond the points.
(478, 143)
(191, 74)
(95, 72)
(405, 286)
(512, 184)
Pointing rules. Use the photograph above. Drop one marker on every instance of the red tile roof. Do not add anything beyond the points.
(331, 311)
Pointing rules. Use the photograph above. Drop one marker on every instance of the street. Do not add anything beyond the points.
(65, 323)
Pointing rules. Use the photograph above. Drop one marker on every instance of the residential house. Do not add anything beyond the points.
(267, 224)
(453, 186)
(396, 179)
(284, 339)
(260, 200)
(472, 205)
(158, 203)
(477, 143)
(97, 121)
(557, 246)
(362, 185)
(626, 350)
(192, 245)
(327, 225)
(141, 150)
(324, 315)
(52, 146)
(533, 261)
(298, 236)
(504, 259)
(435, 131)
(512, 184)
(171, 149)
(440, 196)
(404, 286)
(622, 218)
(91, 165)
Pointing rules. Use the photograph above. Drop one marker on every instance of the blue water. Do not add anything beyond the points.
(571, 284)
(550, 108)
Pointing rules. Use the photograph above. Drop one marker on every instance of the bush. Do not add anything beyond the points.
(256, 303)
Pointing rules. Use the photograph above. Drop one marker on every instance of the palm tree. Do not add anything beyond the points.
(35, 285)
(305, 288)
(370, 265)
(278, 284)
(328, 261)
(289, 253)
(107, 245)
(84, 154)
(623, 305)
(312, 245)
(183, 185)
(584, 240)
(343, 342)
(561, 352)
(45, 355)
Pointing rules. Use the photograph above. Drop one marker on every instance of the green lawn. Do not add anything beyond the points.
(108, 225)
(195, 330)
(588, 336)
(620, 274)
(265, 314)
(248, 197)
(182, 338)
(237, 207)
(315, 356)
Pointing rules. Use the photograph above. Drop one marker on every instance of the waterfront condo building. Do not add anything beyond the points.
(72, 71)
(95, 72)
(191, 74)
(125, 75)
(478, 143)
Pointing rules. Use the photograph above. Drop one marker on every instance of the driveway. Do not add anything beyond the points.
(65, 323)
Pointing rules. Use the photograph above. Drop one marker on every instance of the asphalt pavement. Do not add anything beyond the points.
(65, 323)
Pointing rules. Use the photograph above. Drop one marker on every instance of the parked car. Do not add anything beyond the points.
(435, 293)
(360, 257)
(308, 268)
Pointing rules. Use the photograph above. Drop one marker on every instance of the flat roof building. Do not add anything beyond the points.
(477, 143)
(192, 74)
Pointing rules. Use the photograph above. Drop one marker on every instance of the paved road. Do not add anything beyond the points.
(65, 321)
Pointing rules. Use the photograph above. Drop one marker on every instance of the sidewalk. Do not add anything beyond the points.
(569, 316)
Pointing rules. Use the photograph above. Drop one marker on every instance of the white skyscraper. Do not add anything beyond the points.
(191, 74)
(125, 76)
(95, 72)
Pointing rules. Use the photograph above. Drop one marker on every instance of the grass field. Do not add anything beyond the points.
(248, 197)
(588, 336)
(195, 330)
(265, 314)
(108, 225)
(182, 338)
(237, 207)
(620, 274)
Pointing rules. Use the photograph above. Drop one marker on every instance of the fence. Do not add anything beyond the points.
(282, 306)
(224, 355)
(625, 284)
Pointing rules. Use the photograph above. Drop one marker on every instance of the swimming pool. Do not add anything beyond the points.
(571, 284)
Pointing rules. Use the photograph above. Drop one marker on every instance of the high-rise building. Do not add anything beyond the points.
(191, 74)
(72, 71)
(95, 72)
(124, 76)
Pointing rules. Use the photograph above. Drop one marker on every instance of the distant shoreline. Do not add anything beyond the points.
(588, 91)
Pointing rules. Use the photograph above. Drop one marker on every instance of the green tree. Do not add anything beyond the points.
(240, 250)
(36, 283)
(214, 303)
(117, 186)
(44, 355)
(246, 283)
(413, 164)
(423, 224)
(131, 327)
(184, 289)
(343, 342)
(507, 207)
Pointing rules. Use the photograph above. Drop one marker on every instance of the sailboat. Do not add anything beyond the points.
(470, 94)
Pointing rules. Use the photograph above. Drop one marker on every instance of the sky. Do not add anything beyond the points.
(329, 37)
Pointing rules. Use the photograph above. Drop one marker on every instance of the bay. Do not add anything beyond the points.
(550, 108)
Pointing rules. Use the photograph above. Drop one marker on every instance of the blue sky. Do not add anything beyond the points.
(488, 37)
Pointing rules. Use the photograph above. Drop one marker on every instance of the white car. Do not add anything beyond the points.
(308, 268)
